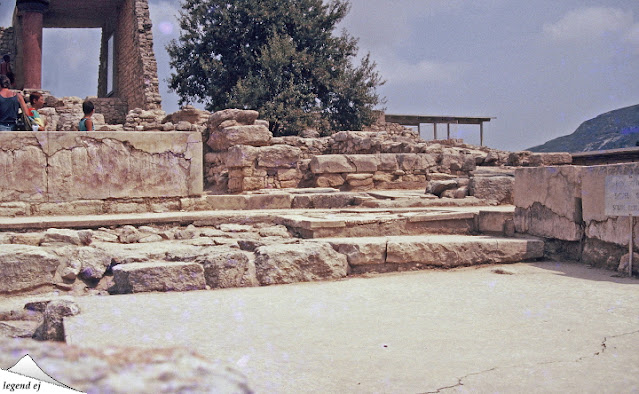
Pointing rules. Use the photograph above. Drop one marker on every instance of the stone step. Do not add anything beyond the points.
(29, 267)
(305, 223)
(321, 259)
(358, 224)
(158, 276)
(308, 198)
(399, 253)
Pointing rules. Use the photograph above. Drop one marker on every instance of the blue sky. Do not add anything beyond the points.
(540, 67)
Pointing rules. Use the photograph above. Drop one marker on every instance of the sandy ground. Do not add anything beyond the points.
(542, 327)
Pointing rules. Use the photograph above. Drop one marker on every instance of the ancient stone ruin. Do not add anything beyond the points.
(156, 202)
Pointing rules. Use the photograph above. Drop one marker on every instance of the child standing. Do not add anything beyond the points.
(86, 123)
(37, 102)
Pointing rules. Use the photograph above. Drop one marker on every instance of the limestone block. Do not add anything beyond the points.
(26, 267)
(492, 221)
(454, 251)
(540, 221)
(23, 169)
(381, 176)
(253, 183)
(189, 114)
(33, 239)
(123, 165)
(82, 207)
(331, 164)
(289, 184)
(276, 264)
(323, 200)
(231, 269)
(240, 116)
(158, 276)
(214, 202)
(438, 187)
(498, 189)
(94, 262)
(550, 159)
(292, 174)
(359, 180)
(61, 236)
(388, 162)
(253, 135)
(453, 160)
(557, 188)
(241, 156)
(615, 230)
(270, 201)
(329, 180)
(14, 209)
(521, 158)
(279, 156)
(416, 163)
(364, 163)
(360, 251)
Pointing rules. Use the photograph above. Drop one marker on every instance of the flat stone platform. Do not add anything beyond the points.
(528, 327)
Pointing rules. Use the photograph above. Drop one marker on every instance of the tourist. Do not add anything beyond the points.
(5, 68)
(10, 102)
(37, 101)
(86, 123)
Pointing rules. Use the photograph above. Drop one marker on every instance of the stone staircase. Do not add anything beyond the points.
(374, 232)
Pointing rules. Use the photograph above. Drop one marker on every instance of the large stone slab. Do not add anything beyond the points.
(23, 175)
(453, 250)
(230, 269)
(158, 276)
(253, 135)
(331, 164)
(24, 267)
(69, 166)
(549, 202)
(277, 264)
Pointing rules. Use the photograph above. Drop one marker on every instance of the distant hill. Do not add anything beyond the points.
(612, 130)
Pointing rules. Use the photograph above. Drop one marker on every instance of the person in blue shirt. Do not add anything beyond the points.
(10, 102)
(86, 123)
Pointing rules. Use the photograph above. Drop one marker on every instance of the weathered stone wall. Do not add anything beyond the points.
(136, 67)
(7, 42)
(57, 166)
(113, 109)
(566, 205)
(242, 155)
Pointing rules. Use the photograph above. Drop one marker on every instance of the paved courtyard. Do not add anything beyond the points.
(528, 327)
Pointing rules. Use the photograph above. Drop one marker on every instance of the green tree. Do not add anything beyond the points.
(279, 57)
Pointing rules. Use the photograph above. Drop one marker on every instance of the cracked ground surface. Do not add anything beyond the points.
(544, 327)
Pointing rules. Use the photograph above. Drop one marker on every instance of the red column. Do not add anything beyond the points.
(32, 49)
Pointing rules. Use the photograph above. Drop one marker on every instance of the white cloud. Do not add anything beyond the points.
(397, 71)
(585, 24)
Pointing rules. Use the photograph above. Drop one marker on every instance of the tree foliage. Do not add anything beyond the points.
(280, 57)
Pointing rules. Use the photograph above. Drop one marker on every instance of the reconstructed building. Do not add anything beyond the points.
(128, 69)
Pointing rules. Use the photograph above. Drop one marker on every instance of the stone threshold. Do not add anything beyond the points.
(302, 219)
(311, 198)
